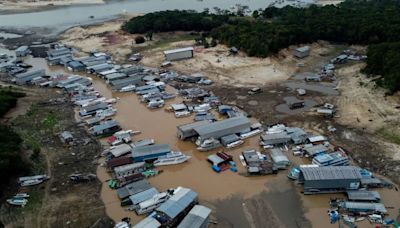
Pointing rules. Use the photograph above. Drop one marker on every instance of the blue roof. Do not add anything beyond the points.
(178, 202)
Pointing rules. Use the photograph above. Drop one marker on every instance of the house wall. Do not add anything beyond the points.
(179, 55)
(332, 184)
(148, 157)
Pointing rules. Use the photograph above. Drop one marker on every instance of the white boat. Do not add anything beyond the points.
(17, 201)
(181, 114)
(128, 88)
(175, 157)
(156, 104)
(241, 158)
(21, 195)
(209, 144)
(106, 112)
(31, 182)
(151, 204)
(234, 144)
(250, 134)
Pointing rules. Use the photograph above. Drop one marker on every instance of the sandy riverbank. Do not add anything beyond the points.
(13, 6)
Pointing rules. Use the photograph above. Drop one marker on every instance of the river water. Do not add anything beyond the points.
(62, 18)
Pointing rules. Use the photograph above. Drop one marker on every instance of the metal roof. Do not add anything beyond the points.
(120, 150)
(317, 149)
(218, 129)
(363, 195)
(178, 50)
(133, 188)
(277, 156)
(129, 167)
(22, 48)
(362, 206)
(148, 222)
(105, 125)
(178, 106)
(151, 149)
(143, 196)
(331, 173)
(196, 217)
(316, 138)
(66, 135)
(181, 199)
(191, 126)
(215, 159)
(40, 72)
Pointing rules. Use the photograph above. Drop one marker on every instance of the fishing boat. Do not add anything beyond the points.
(128, 88)
(21, 195)
(175, 157)
(31, 182)
(17, 201)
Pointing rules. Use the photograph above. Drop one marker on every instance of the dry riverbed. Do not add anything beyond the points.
(12, 6)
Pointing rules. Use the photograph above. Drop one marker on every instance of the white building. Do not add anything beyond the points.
(178, 54)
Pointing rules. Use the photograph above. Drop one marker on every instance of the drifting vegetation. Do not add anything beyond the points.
(269, 30)
(11, 162)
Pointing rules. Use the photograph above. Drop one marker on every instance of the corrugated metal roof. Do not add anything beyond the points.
(364, 195)
(143, 196)
(220, 126)
(151, 149)
(317, 149)
(178, 50)
(128, 167)
(178, 202)
(120, 150)
(105, 125)
(196, 217)
(331, 173)
(361, 206)
(133, 188)
(303, 49)
(278, 156)
(148, 222)
(191, 126)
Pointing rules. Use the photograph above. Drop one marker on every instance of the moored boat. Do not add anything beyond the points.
(175, 157)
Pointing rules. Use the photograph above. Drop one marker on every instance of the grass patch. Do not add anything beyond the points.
(390, 135)
(165, 42)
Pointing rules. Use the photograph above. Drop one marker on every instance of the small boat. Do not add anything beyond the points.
(156, 104)
(241, 158)
(182, 114)
(31, 182)
(234, 144)
(21, 195)
(128, 88)
(17, 201)
(250, 134)
(106, 112)
(175, 157)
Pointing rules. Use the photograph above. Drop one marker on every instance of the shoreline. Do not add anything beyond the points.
(20, 8)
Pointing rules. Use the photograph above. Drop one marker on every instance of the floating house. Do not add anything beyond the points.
(279, 159)
(24, 78)
(363, 207)
(133, 188)
(115, 162)
(120, 150)
(329, 179)
(151, 152)
(129, 169)
(332, 159)
(75, 66)
(54, 56)
(366, 196)
(298, 135)
(275, 139)
(106, 128)
(175, 208)
(148, 222)
(143, 196)
(302, 52)
(179, 54)
(222, 128)
(91, 110)
(198, 217)
(314, 150)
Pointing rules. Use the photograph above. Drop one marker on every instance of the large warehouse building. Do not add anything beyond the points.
(178, 54)
(330, 179)
(221, 128)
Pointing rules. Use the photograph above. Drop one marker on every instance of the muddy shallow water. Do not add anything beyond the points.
(236, 200)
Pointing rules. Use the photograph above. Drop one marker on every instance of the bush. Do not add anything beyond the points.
(139, 40)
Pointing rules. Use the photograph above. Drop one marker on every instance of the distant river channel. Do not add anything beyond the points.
(62, 18)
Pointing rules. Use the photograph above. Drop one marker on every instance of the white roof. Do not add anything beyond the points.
(120, 150)
(316, 138)
(178, 50)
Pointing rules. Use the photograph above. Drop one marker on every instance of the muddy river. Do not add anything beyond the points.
(236, 200)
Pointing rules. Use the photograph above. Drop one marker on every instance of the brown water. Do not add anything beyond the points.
(215, 190)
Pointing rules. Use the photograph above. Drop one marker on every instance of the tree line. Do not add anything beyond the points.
(11, 162)
(269, 30)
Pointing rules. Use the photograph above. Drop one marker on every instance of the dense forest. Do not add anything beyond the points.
(11, 162)
(269, 30)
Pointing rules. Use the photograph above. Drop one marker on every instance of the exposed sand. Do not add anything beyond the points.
(24, 5)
